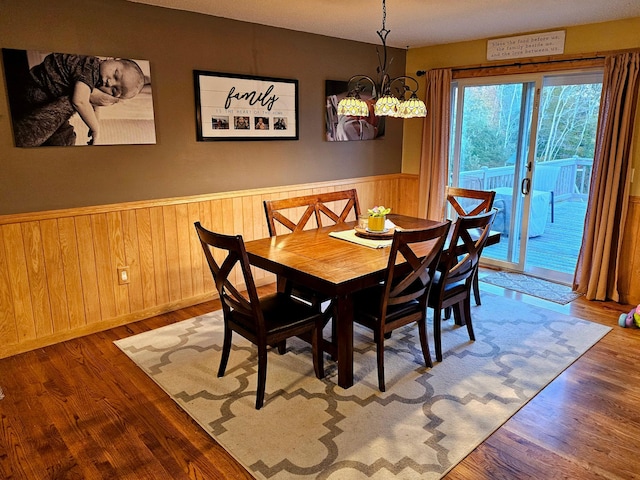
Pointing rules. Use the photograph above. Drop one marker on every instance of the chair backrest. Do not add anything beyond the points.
(315, 207)
(467, 202)
(411, 281)
(230, 251)
(470, 235)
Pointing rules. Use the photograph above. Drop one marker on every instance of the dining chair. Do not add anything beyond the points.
(401, 298)
(466, 202)
(286, 212)
(325, 209)
(458, 266)
(266, 321)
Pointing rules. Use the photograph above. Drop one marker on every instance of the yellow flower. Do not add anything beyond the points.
(380, 211)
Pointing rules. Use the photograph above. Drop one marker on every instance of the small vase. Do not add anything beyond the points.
(376, 224)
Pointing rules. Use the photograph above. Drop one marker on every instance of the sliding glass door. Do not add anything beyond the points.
(530, 139)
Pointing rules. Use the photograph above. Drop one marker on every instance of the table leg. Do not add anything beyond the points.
(344, 318)
(281, 284)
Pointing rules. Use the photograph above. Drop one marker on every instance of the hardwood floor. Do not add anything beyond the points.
(82, 410)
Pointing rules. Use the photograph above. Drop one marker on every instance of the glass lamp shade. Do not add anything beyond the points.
(353, 107)
(412, 108)
(387, 105)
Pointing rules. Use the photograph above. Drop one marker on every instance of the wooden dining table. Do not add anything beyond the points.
(333, 267)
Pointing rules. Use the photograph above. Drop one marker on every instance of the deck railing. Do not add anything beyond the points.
(573, 180)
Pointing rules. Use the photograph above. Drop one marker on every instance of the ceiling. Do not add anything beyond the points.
(413, 23)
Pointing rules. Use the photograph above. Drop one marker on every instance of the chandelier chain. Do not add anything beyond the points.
(384, 14)
(383, 32)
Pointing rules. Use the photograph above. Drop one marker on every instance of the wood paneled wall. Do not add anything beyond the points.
(59, 269)
(629, 273)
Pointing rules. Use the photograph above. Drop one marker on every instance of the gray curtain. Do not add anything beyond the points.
(597, 269)
(434, 158)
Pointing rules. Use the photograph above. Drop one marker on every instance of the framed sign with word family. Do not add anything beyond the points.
(243, 107)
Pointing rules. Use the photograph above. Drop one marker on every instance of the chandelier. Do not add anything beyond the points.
(390, 93)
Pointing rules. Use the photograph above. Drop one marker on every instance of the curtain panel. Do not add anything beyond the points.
(598, 262)
(434, 157)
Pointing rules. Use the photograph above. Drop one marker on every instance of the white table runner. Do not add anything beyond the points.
(350, 236)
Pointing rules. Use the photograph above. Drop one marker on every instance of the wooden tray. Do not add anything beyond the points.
(364, 233)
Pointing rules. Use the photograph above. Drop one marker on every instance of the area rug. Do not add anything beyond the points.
(426, 422)
(536, 287)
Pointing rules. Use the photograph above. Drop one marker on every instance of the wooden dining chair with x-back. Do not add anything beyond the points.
(310, 211)
(465, 202)
(323, 208)
(458, 265)
(266, 321)
(401, 298)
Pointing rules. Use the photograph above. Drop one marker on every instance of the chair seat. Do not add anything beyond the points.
(367, 307)
(450, 289)
(282, 311)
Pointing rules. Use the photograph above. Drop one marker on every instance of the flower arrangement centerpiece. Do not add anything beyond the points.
(377, 217)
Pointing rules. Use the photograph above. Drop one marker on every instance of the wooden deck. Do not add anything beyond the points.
(557, 249)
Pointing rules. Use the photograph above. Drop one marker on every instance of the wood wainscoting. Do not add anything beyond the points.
(629, 269)
(59, 269)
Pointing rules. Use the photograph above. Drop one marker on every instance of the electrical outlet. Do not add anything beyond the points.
(123, 275)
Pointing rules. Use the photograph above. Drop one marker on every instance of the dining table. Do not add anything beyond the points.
(334, 267)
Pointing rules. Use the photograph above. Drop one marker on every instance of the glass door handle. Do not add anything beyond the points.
(525, 187)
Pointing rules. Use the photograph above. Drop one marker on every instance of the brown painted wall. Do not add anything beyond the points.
(176, 43)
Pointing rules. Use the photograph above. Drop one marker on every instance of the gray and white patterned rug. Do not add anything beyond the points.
(426, 422)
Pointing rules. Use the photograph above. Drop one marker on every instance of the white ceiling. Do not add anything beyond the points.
(413, 23)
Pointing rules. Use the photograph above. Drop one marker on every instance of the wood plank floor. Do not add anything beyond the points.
(82, 410)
